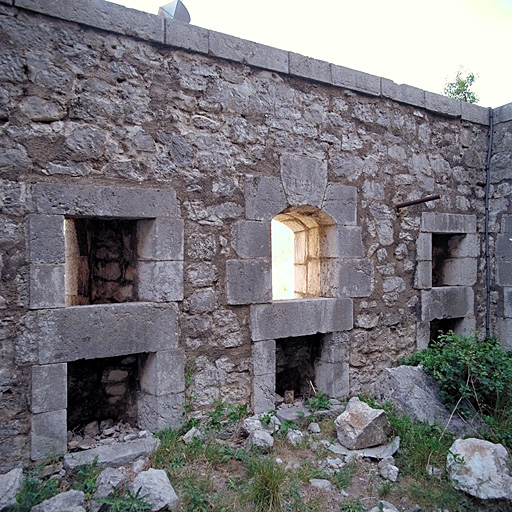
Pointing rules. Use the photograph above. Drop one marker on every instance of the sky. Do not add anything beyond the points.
(417, 43)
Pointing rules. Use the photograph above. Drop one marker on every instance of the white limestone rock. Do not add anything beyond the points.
(480, 468)
(155, 486)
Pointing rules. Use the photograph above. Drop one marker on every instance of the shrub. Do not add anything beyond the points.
(473, 376)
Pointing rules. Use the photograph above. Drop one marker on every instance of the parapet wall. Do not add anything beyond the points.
(199, 140)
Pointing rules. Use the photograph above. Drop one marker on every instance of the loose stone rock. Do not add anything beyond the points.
(155, 485)
(70, 501)
(10, 484)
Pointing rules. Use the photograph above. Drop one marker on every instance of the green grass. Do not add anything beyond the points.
(267, 484)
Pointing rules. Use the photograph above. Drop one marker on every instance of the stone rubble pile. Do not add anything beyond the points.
(101, 433)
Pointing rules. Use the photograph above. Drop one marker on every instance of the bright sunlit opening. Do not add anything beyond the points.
(282, 261)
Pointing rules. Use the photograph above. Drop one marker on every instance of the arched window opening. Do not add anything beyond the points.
(304, 252)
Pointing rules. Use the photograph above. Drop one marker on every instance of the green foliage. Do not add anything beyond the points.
(352, 505)
(267, 485)
(34, 490)
(319, 402)
(287, 425)
(460, 88)
(194, 494)
(473, 376)
(225, 413)
(343, 477)
(293, 500)
(85, 478)
(126, 502)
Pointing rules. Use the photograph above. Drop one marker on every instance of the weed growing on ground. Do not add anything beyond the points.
(320, 402)
(34, 490)
(85, 478)
(352, 505)
(266, 487)
(194, 494)
(343, 477)
(128, 501)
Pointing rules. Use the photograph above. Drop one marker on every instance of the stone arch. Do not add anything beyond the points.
(313, 253)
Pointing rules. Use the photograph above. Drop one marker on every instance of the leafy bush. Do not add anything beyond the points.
(34, 490)
(127, 502)
(319, 402)
(473, 376)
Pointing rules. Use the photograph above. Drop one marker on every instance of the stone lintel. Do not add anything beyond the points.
(287, 318)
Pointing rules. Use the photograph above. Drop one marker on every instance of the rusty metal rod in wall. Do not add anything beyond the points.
(417, 201)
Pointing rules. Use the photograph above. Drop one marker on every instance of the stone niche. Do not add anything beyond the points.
(106, 264)
(447, 254)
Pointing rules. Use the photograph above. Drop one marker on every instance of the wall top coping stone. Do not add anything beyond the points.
(130, 22)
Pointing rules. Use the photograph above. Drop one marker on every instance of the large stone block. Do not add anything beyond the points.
(47, 286)
(350, 242)
(307, 67)
(340, 203)
(504, 273)
(504, 247)
(164, 373)
(248, 281)
(248, 52)
(103, 15)
(448, 223)
(467, 246)
(460, 272)
(158, 412)
(49, 387)
(475, 113)
(332, 378)
(335, 348)
(161, 281)
(129, 203)
(403, 93)
(447, 302)
(48, 434)
(423, 275)
(263, 357)
(503, 114)
(264, 393)
(283, 319)
(186, 36)
(422, 335)
(92, 332)
(355, 80)
(504, 332)
(46, 239)
(160, 239)
(264, 197)
(304, 179)
(507, 301)
(424, 247)
(251, 239)
(357, 277)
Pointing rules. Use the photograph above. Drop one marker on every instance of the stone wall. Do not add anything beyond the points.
(200, 140)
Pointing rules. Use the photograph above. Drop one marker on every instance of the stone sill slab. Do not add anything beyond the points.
(130, 22)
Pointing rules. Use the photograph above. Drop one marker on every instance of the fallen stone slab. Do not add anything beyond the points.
(480, 468)
(154, 487)
(10, 484)
(113, 455)
(70, 501)
(293, 412)
(377, 452)
(260, 439)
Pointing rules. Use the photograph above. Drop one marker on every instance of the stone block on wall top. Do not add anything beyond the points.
(48, 434)
(248, 281)
(264, 197)
(104, 15)
(184, 35)
(307, 67)
(355, 80)
(49, 387)
(248, 52)
(304, 179)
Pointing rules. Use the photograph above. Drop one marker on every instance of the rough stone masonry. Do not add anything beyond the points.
(184, 144)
